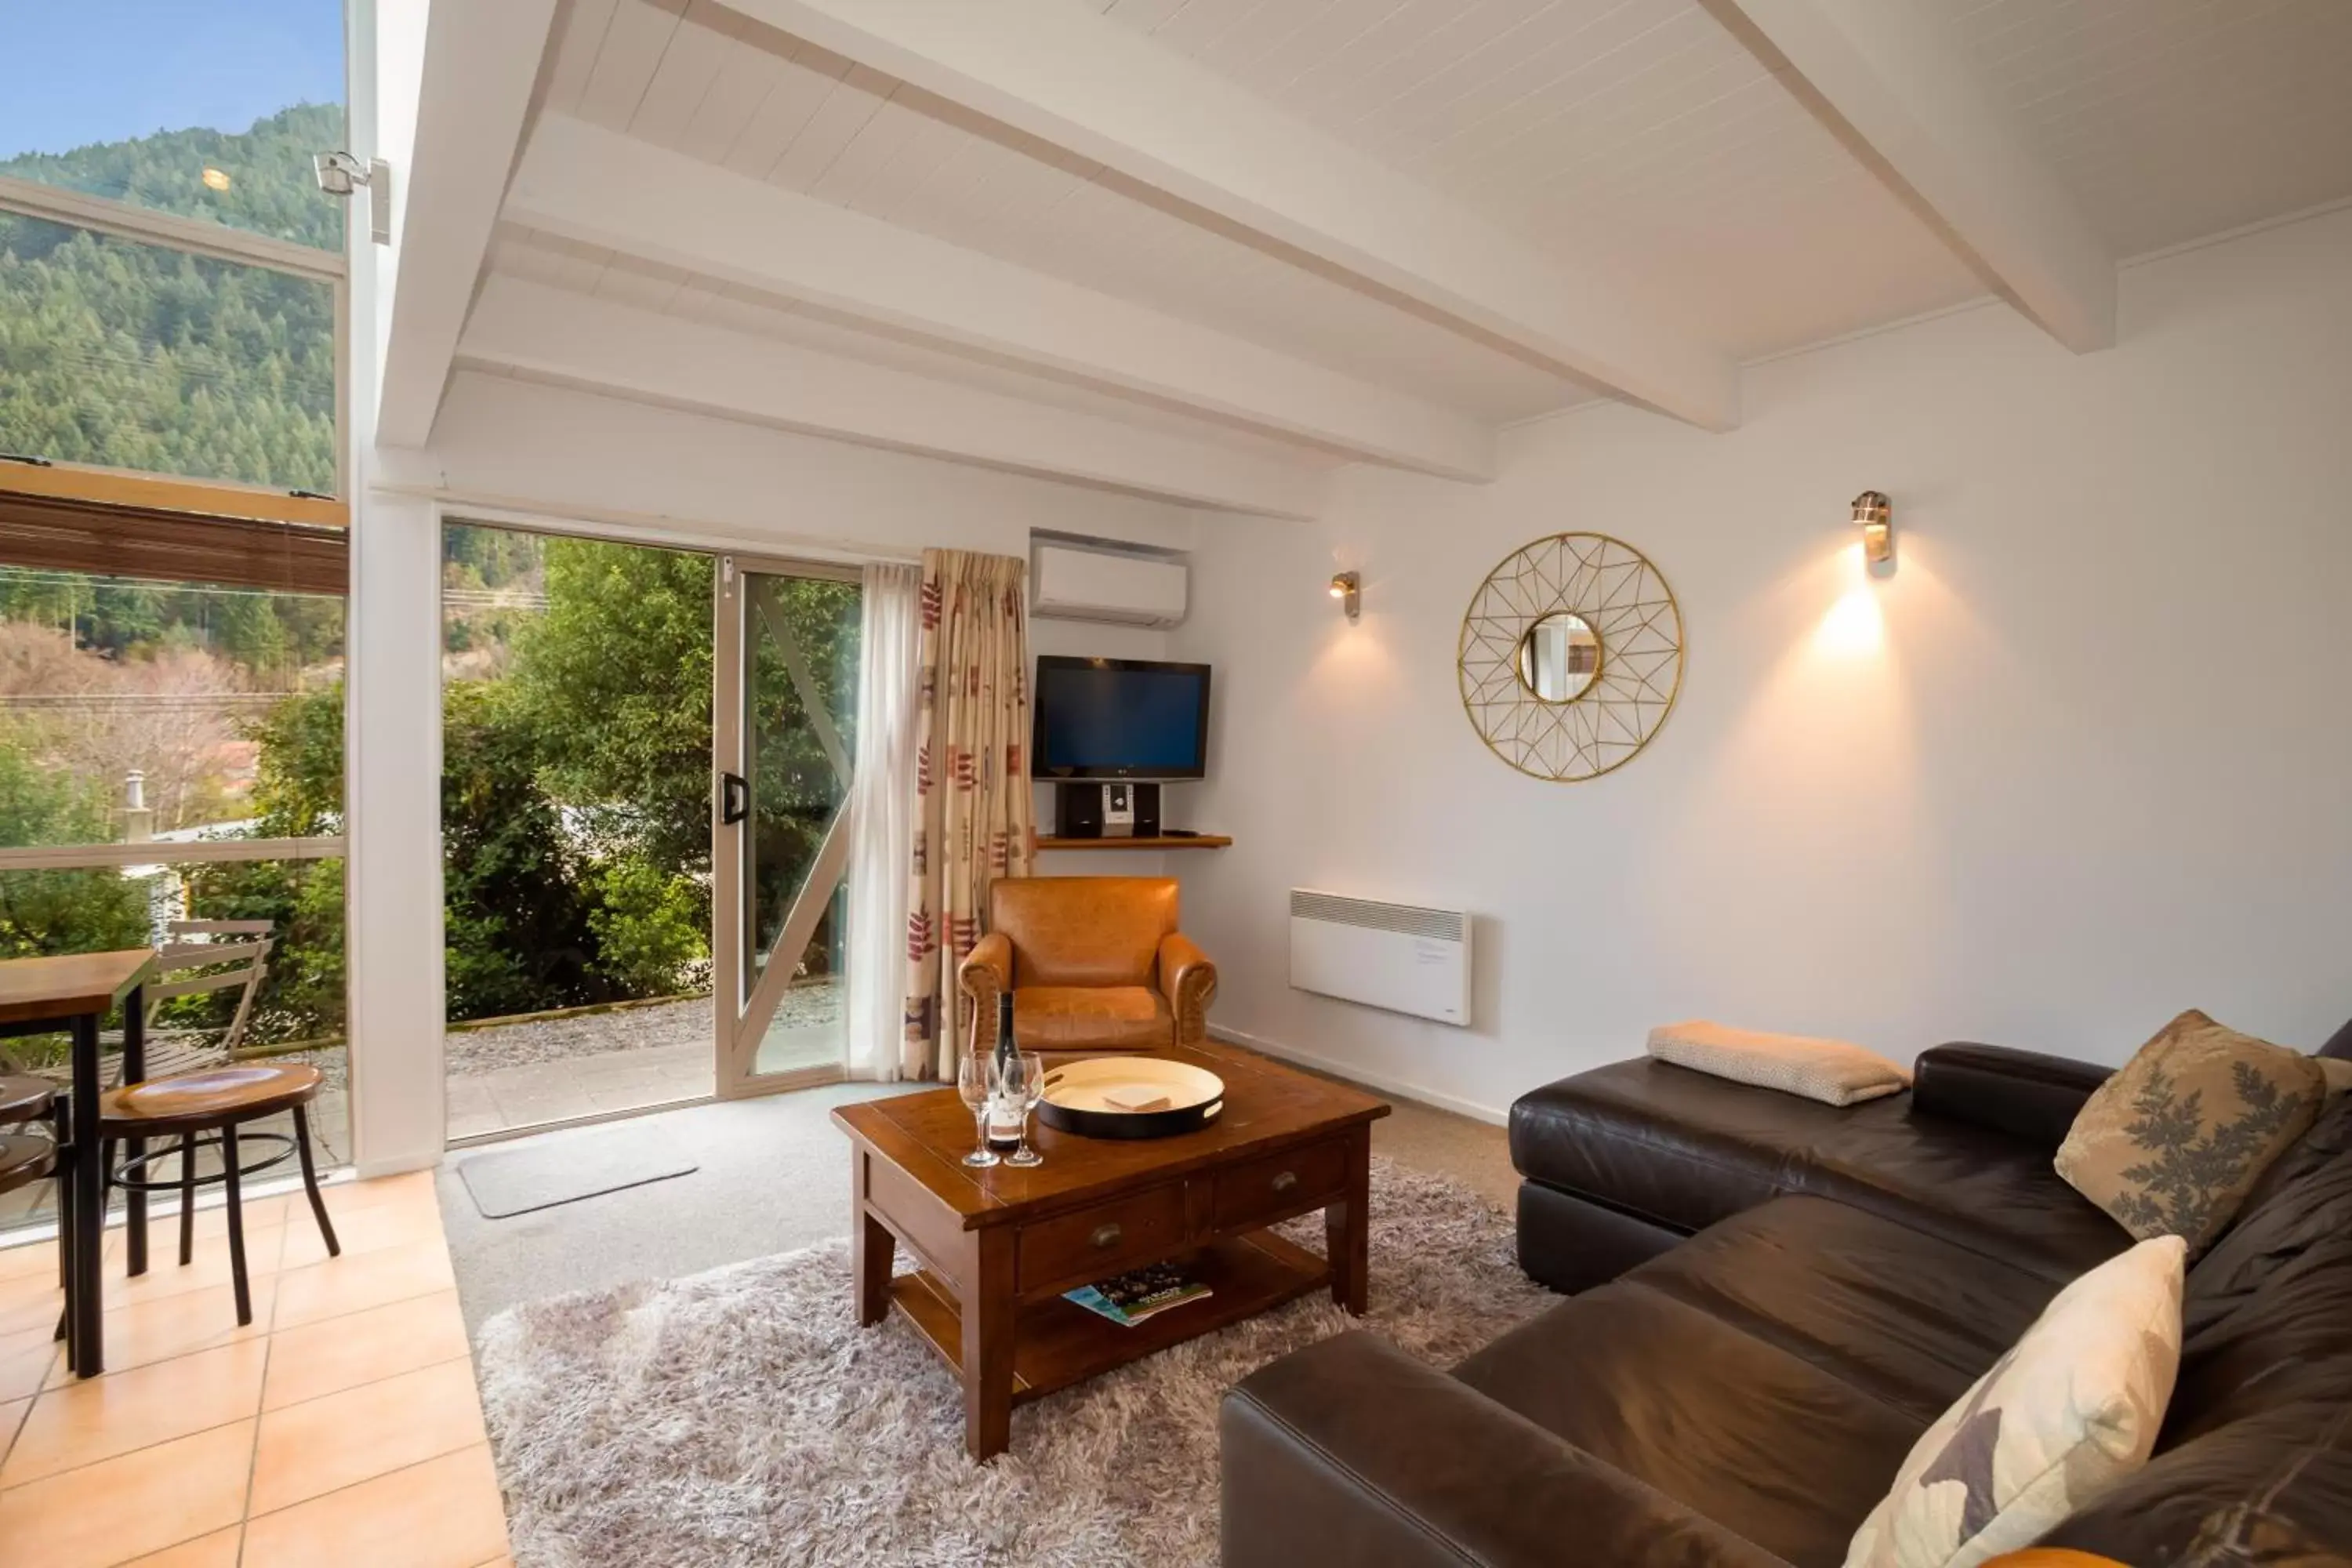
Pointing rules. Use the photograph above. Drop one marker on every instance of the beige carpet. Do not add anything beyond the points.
(740, 1417)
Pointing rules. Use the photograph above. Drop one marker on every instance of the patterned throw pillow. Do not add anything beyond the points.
(2172, 1143)
(2072, 1409)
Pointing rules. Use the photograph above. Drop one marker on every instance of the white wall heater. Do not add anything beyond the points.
(1402, 957)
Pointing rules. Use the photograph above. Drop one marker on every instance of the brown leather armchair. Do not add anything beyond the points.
(1092, 963)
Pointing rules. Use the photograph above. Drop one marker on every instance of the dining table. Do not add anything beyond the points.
(74, 994)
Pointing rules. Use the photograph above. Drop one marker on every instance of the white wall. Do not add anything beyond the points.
(2083, 761)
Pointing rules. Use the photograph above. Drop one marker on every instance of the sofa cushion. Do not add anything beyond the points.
(2173, 1143)
(1684, 1149)
(1069, 1017)
(2265, 1311)
(1901, 1314)
(1763, 1442)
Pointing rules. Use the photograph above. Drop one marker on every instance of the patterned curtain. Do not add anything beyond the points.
(972, 821)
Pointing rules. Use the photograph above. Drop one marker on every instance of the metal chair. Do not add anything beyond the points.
(200, 959)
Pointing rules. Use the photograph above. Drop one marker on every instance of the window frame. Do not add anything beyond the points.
(218, 242)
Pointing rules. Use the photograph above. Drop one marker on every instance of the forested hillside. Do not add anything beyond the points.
(133, 356)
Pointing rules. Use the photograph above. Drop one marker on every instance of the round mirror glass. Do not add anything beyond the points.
(1558, 656)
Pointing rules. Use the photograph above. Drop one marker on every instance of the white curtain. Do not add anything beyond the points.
(882, 821)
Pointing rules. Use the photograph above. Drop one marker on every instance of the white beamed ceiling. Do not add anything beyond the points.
(703, 80)
(1636, 136)
(1642, 145)
(525, 253)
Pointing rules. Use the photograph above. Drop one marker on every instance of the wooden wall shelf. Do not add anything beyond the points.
(1200, 841)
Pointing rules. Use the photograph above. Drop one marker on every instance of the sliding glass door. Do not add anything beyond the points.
(785, 746)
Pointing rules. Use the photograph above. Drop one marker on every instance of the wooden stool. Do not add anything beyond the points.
(208, 1107)
(23, 1098)
(25, 1157)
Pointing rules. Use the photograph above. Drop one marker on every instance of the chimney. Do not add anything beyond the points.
(138, 817)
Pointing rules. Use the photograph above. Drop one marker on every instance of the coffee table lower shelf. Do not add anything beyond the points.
(1059, 1342)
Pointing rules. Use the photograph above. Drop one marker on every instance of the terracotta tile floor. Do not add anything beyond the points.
(341, 1427)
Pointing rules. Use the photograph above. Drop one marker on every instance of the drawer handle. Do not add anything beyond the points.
(1105, 1235)
(1285, 1182)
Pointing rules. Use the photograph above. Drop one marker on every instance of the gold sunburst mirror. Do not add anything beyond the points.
(1571, 656)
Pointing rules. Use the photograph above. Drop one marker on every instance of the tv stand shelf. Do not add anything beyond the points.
(1198, 841)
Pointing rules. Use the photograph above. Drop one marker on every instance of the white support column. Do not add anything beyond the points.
(392, 690)
(392, 803)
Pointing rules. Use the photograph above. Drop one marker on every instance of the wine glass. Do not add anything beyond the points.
(1024, 1085)
(975, 1077)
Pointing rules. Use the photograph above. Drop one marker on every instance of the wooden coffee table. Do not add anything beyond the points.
(998, 1246)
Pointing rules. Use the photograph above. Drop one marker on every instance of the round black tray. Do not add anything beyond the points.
(1166, 1123)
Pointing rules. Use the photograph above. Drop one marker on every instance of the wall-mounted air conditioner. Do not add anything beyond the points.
(1078, 582)
(1402, 957)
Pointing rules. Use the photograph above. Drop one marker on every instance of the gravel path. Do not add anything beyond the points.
(484, 1051)
(685, 1023)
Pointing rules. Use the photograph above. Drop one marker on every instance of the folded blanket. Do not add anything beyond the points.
(1834, 1072)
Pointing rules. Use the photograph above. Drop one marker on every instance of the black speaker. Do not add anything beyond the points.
(1106, 810)
(1078, 810)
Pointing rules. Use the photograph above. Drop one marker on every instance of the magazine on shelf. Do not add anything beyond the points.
(1128, 1299)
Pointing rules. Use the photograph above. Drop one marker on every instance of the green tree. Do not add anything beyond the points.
(297, 793)
(651, 927)
(270, 187)
(59, 912)
(144, 357)
(518, 933)
(615, 678)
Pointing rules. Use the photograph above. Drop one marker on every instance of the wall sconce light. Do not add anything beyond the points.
(1875, 515)
(1348, 587)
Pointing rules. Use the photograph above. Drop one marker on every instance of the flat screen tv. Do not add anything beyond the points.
(1120, 719)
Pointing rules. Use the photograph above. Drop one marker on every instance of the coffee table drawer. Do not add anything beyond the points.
(1089, 1243)
(1281, 1186)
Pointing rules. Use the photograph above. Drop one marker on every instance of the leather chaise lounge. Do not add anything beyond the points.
(1772, 1299)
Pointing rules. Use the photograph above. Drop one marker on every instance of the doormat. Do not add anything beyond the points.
(564, 1170)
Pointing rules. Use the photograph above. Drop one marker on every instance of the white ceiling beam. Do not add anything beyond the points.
(576, 340)
(599, 187)
(1065, 75)
(1895, 85)
(480, 62)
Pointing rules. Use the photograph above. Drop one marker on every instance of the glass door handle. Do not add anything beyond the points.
(734, 799)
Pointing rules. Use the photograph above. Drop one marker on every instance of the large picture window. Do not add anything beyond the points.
(170, 275)
(172, 321)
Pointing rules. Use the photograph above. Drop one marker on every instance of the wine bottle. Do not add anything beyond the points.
(1005, 1110)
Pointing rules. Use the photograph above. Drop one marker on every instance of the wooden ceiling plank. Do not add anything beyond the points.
(1199, 140)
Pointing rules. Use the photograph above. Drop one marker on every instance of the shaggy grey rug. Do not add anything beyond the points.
(740, 1417)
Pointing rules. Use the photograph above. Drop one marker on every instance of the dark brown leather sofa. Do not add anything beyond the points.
(1773, 1298)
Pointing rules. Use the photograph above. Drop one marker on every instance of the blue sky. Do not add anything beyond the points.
(101, 71)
